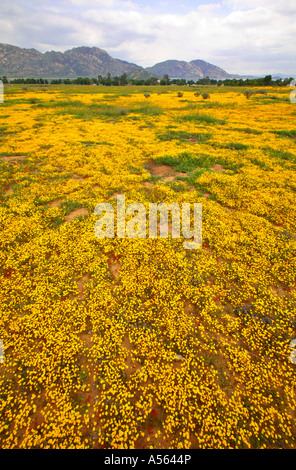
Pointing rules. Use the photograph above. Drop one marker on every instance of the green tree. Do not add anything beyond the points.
(166, 79)
(123, 79)
(108, 81)
(267, 80)
(287, 81)
(153, 81)
(115, 81)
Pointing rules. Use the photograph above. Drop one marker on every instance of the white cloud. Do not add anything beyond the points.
(91, 3)
(251, 18)
(242, 36)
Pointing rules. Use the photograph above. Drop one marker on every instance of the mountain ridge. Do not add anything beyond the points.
(78, 61)
(193, 70)
(84, 61)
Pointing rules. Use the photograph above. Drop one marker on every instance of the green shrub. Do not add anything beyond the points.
(248, 93)
(291, 134)
(236, 146)
(183, 135)
(203, 118)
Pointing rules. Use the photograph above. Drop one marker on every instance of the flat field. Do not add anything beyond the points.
(140, 343)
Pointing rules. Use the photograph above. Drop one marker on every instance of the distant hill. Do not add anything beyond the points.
(140, 74)
(77, 62)
(176, 69)
(91, 61)
(194, 70)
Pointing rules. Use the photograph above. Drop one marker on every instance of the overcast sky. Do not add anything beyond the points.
(254, 37)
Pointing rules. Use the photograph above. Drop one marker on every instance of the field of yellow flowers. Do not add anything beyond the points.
(139, 343)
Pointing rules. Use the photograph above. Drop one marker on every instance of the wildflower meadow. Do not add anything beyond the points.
(132, 343)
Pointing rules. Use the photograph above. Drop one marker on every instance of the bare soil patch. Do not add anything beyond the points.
(81, 284)
(78, 177)
(148, 184)
(55, 203)
(13, 158)
(192, 140)
(218, 168)
(166, 172)
(167, 179)
(114, 266)
(76, 213)
(86, 338)
(189, 308)
(160, 170)
(114, 195)
(279, 290)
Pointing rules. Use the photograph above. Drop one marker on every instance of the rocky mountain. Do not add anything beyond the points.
(193, 70)
(140, 74)
(92, 61)
(176, 69)
(210, 70)
(77, 62)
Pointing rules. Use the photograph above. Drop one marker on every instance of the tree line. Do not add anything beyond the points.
(26, 81)
(123, 80)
